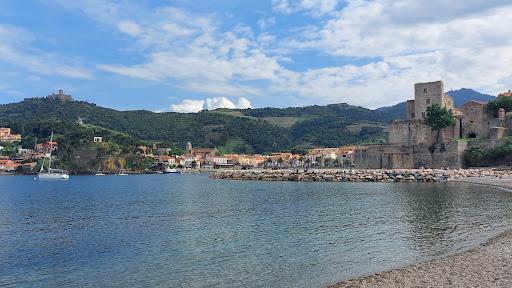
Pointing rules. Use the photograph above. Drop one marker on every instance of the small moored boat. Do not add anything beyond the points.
(169, 170)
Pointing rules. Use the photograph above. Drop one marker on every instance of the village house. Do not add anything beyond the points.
(278, 160)
(8, 165)
(217, 161)
(162, 151)
(251, 161)
(23, 151)
(11, 165)
(339, 156)
(7, 136)
(44, 147)
(166, 160)
(413, 144)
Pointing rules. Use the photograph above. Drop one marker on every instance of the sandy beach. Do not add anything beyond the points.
(488, 265)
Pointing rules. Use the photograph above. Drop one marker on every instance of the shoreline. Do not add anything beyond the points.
(486, 265)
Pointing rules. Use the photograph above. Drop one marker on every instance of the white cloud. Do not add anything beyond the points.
(190, 52)
(393, 43)
(219, 102)
(464, 44)
(193, 106)
(265, 23)
(129, 28)
(188, 106)
(243, 103)
(313, 7)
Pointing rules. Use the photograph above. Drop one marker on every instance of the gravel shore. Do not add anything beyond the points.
(488, 265)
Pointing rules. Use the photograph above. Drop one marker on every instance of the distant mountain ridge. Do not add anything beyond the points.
(459, 96)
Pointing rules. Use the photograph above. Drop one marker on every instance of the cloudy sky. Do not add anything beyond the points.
(186, 55)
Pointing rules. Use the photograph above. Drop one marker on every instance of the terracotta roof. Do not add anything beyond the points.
(506, 94)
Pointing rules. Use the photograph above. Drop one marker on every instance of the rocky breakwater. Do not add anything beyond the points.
(355, 175)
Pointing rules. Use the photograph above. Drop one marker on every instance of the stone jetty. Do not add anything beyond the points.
(360, 175)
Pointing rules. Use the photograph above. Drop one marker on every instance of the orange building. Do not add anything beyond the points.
(43, 147)
(7, 136)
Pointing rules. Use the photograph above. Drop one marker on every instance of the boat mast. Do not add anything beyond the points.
(50, 160)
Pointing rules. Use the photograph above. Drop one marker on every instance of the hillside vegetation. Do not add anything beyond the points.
(247, 130)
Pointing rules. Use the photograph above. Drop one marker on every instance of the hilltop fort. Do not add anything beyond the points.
(60, 97)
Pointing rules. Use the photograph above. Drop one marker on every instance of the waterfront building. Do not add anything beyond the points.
(251, 160)
(341, 155)
(217, 161)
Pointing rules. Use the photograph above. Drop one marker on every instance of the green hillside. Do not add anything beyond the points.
(252, 130)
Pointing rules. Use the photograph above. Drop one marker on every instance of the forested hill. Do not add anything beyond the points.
(249, 130)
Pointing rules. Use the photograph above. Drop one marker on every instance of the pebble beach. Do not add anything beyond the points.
(488, 265)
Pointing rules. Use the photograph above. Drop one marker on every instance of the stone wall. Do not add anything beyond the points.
(476, 121)
(409, 132)
(384, 157)
(448, 154)
(410, 110)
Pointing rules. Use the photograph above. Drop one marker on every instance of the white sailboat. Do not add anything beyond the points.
(51, 174)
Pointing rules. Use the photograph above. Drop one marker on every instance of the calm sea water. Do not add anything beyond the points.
(190, 231)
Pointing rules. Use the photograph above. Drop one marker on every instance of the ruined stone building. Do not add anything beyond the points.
(60, 97)
(413, 144)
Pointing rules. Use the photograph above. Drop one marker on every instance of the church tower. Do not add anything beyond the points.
(188, 149)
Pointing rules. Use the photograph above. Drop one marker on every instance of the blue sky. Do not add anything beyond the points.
(184, 55)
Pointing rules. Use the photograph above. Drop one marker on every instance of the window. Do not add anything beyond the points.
(423, 114)
(425, 90)
(413, 115)
(428, 101)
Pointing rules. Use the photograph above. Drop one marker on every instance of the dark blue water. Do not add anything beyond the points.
(190, 231)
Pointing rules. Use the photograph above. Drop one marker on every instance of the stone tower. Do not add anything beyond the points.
(426, 94)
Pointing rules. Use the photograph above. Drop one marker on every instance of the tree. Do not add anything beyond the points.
(439, 118)
(495, 105)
